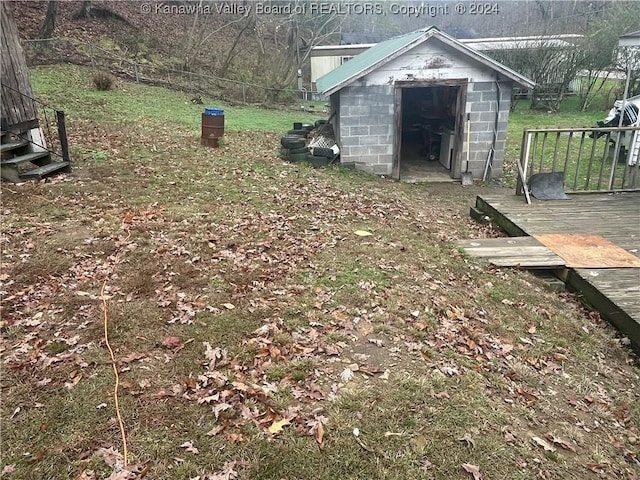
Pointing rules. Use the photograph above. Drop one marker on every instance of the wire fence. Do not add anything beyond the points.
(65, 50)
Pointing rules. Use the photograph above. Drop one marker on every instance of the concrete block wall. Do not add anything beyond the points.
(367, 127)
(482, 105)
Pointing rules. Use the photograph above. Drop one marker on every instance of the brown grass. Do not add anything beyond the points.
(257, 257)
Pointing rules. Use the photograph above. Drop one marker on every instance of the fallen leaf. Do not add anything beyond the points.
(9, 468)
(346, 375)
(561, 357)
(320, 435)
(341, 317)
(215, 430)
(559, 441)
(528, 395)
(172, 343)
(132, 357)
(467, 438)
(190, 448)
(221, 407)
(276, 427)
(541, 442)
(227, 473)
(234, 437)
(473, 470)
(506, 348)
(111, 456)
(363, 233)
(229, 306)
(596, 467)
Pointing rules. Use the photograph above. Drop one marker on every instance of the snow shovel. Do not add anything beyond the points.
(547, 186)
(466, 176)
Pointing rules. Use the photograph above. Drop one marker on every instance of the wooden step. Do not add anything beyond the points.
(525, 252)
(9, 146)
(29, 157)
(478, 216)
(38, 173)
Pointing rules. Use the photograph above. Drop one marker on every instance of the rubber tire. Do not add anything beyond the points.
(300, 132)
(323, 152)
(298, 157)
(299, 150)
(307, 126)
(319, 122)
(318, 162)
(292, 142)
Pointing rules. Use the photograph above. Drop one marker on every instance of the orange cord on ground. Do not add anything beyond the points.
(116, 387)
(125, 452)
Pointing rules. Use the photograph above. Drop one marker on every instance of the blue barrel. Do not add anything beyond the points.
(212, 126)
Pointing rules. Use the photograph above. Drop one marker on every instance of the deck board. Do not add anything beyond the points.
(526, 252)
(615, 292)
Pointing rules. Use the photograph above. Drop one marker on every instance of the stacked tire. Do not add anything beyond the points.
(294, 148)
(320, 157)
(294, 144)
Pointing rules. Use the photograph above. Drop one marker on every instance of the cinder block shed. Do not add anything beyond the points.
(422, 101)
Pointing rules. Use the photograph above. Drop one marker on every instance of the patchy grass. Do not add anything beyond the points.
(524, 118)
(253, 331)
(142, 105)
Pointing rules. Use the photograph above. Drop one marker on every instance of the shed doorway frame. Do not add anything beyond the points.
(459, 127)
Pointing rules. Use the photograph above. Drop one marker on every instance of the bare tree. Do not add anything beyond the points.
(85, 9)
(49, 23)
(286, 43)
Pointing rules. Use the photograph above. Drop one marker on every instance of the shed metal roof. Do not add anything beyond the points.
(386, 51)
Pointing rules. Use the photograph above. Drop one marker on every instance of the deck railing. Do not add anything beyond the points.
(51, 122)
(586, 156)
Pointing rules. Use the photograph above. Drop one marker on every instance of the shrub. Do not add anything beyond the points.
(103, 80)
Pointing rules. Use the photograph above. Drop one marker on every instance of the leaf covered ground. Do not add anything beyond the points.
(257, 336)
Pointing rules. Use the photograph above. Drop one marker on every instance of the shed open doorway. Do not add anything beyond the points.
(429, 122)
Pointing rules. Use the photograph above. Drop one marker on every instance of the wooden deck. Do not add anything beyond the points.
(614, 292)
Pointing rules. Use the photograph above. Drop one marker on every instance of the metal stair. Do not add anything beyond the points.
(20, 161)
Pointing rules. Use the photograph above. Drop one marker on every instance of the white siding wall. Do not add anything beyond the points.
(432, 60)
(323, 65)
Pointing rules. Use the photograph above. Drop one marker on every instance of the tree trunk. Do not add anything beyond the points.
(49, 23)
(227, 61)
(85, 10)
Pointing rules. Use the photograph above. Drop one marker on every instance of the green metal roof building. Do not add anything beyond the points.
(421, 104)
